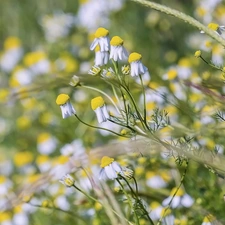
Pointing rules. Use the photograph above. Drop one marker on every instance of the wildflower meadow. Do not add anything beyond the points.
(112, 112)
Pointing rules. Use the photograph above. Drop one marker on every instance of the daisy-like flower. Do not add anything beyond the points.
(101, 57)
(117, 50)
(125, 69)
(75, 81)
(101, 39)
(179, 200)
(127, 173)
(108, 73)
(110, 169)
(67, 180)
(67, 109)
(216, 27)
(95, 70)
(98, 105)
(136, 66)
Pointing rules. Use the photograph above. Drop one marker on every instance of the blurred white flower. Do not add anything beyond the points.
(57, 26)
(179, 200)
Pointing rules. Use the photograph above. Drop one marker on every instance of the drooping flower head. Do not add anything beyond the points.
(117, 50)
(110, 168)
(101, 39)
(98, 105)
(63, 100)
(137, 67)
(101, 57)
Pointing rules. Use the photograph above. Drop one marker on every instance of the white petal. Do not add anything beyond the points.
(187, 201)
(110, 172)
(99, 114)
(94, 44)
(116, 167)
(102, 174)
(105, 113)
(166, 201)
(176, 202)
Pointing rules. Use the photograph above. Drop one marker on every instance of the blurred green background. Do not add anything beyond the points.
(44, 43)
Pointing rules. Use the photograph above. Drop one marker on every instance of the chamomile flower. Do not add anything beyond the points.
(101, 57)
(67, 180)
(136, 66)
(101, 39)
(108, 73)
(117, 50)
(98, 105)
(67, 109)
(95, 70)
(179, 200)
(110, 169)
(216, 27)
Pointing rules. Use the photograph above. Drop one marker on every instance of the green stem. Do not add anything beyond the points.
(129, 201)
(88, 196)
(100, 128)
(58, 209)
(138, 199)
(94, 199)
(143, 90)
(135, 106)
(187, 19)
(210, 64)
(181, 182)
(102, 92)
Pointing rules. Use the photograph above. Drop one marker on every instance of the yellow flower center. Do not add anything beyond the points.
(62, 99)
(126, 69)
(43, 137)
(154, 205)
(198, 54)
(165, 212)
(106, 161)
(209, 218)
(116, 41)
(33, 57)
(62, 159)
(23, 158)
(4, 216)
(2, 179)
(42, 159)
(97, 48)
(134, 57)
(180, 192)
(69, 181)
(123, 132)
(97, 102)
(213, 26)
(101, 32)
(45, 203)
(12, 42)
